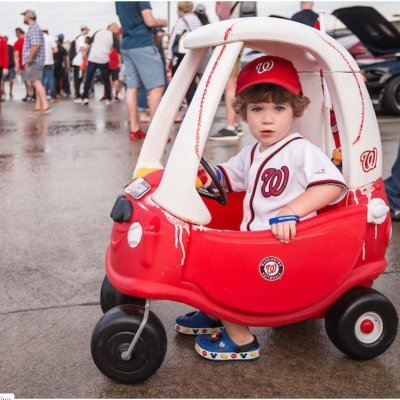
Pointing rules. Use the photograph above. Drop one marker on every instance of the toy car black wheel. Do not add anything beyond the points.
(112, 336)
(111, 297)
(362, 323)
(391, 97)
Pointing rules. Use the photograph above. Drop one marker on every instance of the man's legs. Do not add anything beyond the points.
(90, 71)
(131, 103)
(229, 95)
(41, 100)
(77, 82)
(11, 83)
(105, 74)
(154, 98)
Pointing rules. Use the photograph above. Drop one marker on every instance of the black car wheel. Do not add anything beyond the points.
(391, 96)
(112, 336)
(111, 297)
(362, 323)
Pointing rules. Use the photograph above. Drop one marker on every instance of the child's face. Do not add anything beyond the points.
(269, 122)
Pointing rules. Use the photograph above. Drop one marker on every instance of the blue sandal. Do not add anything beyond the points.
(220, 347)
(197, 323)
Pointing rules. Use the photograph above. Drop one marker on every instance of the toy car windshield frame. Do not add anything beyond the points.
(311, 51)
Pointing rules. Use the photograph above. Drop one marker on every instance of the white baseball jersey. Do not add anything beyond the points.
(276, 176)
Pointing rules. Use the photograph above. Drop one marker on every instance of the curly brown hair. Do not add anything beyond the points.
(268, 93)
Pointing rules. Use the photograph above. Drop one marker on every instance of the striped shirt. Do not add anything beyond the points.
(33, 37)
(192, 22)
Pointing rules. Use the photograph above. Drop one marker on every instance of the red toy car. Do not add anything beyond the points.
(170, 241)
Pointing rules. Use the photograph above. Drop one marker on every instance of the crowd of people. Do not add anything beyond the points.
(119, 56)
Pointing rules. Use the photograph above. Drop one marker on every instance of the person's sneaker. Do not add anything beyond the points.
(224, 134)
(395, 215)
(107, 102)
(239, 130)
(103, 99)
(139, 134)
(197, 323)
(78, 100)
(220, 347)
(85, 101)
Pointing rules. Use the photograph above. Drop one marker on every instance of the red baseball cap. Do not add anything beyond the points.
(269, 69)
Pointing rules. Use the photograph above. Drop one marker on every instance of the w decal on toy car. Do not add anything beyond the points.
(369, 159)
(271, 268)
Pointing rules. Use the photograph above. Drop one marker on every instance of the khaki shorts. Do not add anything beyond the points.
(34, 72)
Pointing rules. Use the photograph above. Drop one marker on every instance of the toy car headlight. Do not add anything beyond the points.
(135, 234)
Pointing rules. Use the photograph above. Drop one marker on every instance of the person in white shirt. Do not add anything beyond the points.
(187, 21)
(50, 47)
(103, 41)
(81, 49)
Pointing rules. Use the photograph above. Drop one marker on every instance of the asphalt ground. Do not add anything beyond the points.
(59, 177)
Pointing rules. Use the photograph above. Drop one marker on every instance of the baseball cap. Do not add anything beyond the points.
(269, 69)
(29, 13)
(200, 8)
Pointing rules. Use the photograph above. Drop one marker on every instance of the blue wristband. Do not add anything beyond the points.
(284, 218)
(218, 173)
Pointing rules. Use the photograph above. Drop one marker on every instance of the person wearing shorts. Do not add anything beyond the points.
(141, 59)
(33, 58)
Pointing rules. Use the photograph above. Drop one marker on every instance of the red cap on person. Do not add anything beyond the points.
(269, 69)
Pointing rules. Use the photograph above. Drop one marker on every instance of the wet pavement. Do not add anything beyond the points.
(59, 177)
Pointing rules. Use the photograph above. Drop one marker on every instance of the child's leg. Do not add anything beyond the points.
(239, 334)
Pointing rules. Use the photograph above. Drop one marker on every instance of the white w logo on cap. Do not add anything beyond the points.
(264, 66)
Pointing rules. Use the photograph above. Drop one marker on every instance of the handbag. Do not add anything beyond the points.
(178, 47)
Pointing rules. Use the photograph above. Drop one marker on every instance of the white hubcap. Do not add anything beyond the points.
(369, 328)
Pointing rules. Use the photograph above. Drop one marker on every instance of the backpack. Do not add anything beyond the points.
(72, 51)
(248, 9)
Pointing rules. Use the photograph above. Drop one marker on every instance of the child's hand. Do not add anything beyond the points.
(203, 179)
(284, 230)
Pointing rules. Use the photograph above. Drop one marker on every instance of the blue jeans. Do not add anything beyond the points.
(48, 80)
(105, 74)
(392, 185)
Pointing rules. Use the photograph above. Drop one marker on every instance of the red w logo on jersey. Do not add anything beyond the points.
(274, 181)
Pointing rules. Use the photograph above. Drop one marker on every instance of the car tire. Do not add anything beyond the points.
(391, 96)
(112, 336)
(111, 297)
(362, 323)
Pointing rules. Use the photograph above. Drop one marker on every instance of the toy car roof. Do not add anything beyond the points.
(311, 51)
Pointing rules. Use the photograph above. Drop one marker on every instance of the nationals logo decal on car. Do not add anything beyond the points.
(271, 268)
(369, 159)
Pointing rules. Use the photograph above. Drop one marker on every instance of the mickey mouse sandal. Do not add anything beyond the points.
(219, 347)
(197, 323)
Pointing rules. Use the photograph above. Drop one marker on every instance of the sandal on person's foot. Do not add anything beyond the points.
(47, 110)
(220, 347)
(197, 323)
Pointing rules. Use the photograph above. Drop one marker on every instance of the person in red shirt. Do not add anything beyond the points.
(114, 66)
(3, 61)
(19, 67)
